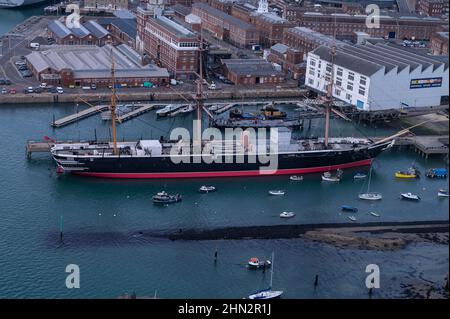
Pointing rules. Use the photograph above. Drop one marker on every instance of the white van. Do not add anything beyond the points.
(212, 86)
(34, 45)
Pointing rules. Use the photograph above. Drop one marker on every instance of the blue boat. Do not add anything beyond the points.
(348, 208)
(437, 173)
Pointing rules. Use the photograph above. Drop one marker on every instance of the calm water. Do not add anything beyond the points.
(102, 218)
(9, 18)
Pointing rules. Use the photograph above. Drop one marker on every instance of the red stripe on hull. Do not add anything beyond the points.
(225, 173)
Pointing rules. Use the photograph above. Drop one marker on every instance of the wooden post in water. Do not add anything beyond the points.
(61, 225)
(316, 281)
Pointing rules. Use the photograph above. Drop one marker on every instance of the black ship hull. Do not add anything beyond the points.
(164, 167)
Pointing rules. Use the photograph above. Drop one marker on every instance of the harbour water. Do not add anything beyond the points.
(11, 17)
(102, 220)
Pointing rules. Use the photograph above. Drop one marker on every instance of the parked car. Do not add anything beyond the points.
(86, 88)
(8, 82)
(53, 90)
(60, 90)
(29, 90)
(93, 86)
(38, 90)
(4, 91)
(34, 45)
(2, 81)
(23, 68)
(12, 91)
(43, 85)
(212, 86)
(26, 73)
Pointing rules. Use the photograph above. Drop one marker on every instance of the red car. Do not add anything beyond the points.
(12, 91)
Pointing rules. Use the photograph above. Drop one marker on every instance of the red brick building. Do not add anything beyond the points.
(431, 7)
(226, 27)
(89, 33)
(251, 72)
(270, 26)
(344, 25)
(170, 44)
(305, 39)
(439, 43)
(290, 60)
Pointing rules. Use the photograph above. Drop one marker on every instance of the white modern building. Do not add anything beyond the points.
(379, 76)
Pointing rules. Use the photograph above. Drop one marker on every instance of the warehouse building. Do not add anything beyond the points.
(86, 65)
(379, 76)
(252, 71)
(89, 33)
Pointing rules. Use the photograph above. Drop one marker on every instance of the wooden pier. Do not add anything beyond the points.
(79, 115)
(144, 108)
(425, 145)
(38, 147)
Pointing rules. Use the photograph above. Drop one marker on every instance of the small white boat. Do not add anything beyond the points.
(443, 193)
(374, 214)
(207, 189)
(370, 196)
(352, 218)
(410, 196)
(359, 176)
(328, 177)
(277, 192)
(287, 214)
(255, 263)
(296, 178)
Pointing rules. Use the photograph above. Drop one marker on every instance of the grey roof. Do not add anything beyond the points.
(96, 29)
(124, 14)
(223, 16)
(348, 61)
(174, 27)
(129, 26)
(59, 28)
(181, 9)
(80, 32)
(315, 36)
(370, 58)
(90, 60)
(256, 67)
(271, 17)
(279, 47)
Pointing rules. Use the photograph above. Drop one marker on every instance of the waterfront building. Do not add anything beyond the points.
(379, 76)
(439, 43)
(170, 44)
(106, 4)
(86, 65)
(89, 33)
(252, 71)
(226, 27)
(122, 30)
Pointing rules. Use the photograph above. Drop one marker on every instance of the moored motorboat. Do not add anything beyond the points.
(374, 214)
(410, 196)
(296, 178)
(410, 173)
(207, 189)
(359, 176)
(255, 263)
(443, 193)
(287, 214)
(276, 192)
(370, 196)
(164, 198)
(437, 173)
(352, 218)
(348, 208)
(328, 177)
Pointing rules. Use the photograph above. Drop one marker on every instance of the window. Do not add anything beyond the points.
(362, 80)
(339, 72)
(311, 72)
(328, 68)
(351, 76)
(350, 86)
(338, 82)
(312, 62)
(348, 96)
(362, 91)
(310, 81)
(337, 92)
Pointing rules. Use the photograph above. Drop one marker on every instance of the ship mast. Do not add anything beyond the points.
(329, 96)
(199, 96)
(113, 104)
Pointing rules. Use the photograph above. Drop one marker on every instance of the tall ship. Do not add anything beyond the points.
(211, 158)
(18, 3)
